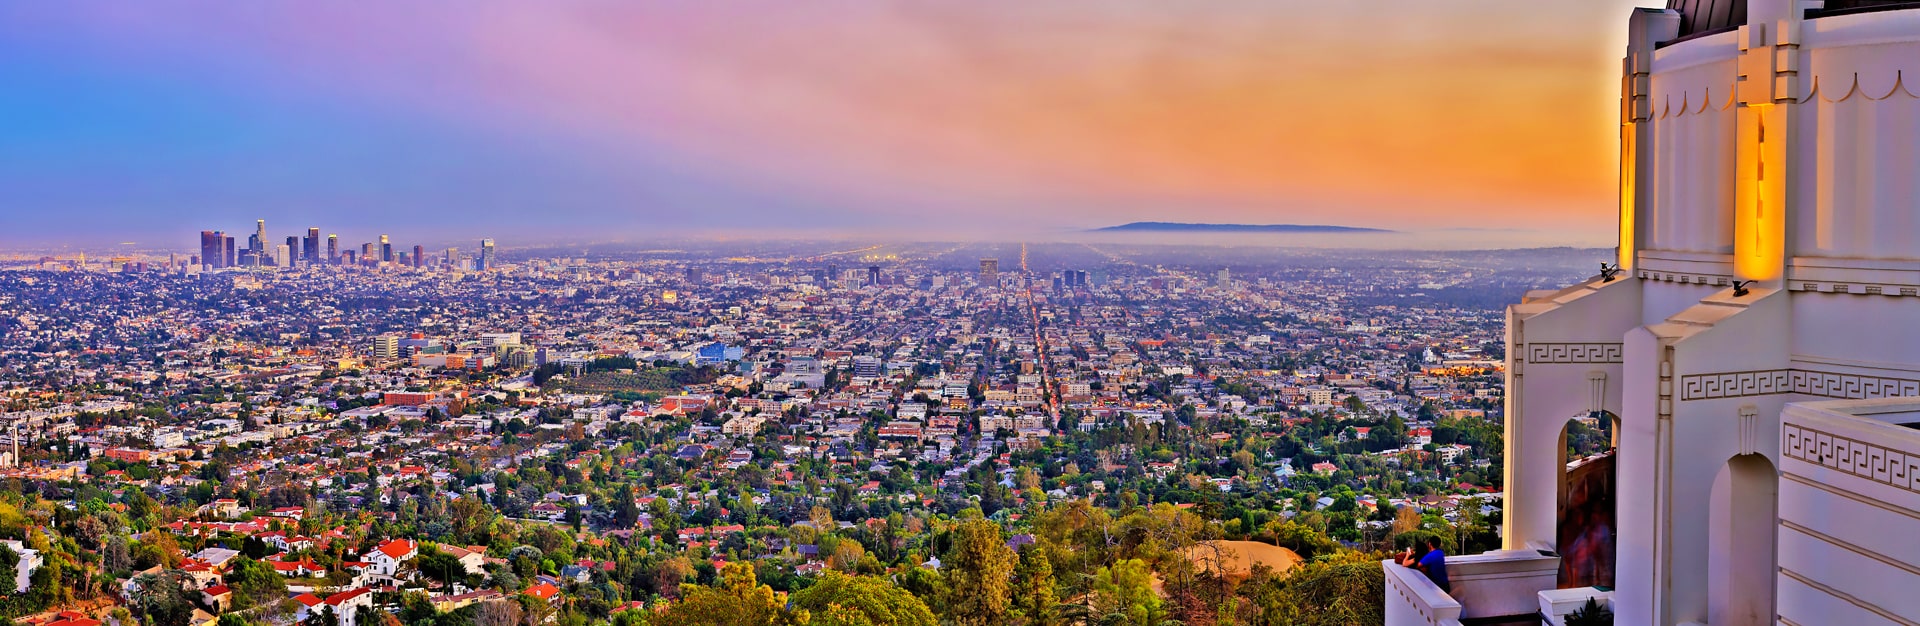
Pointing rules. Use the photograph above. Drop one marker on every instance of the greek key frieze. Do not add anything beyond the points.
(1803, 382)
(1895, 468)
(1573, 353)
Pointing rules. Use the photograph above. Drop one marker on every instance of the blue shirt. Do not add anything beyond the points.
(1434, 563)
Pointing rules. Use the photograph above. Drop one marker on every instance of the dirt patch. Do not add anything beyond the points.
(1235, 559)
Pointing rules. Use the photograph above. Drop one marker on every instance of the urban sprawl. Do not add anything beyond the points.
(739, 433)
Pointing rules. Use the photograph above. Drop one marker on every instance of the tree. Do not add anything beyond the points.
(13, 525)
(254, 583)
(161, 599)
(822, 519)
(979, 573)
(927, 585)
(1125, 590)
(837, 599)
(1243, 460)
(441, 566)
(117, 555)
(1033, 588)
(845, 555)
(497, 613)
(1337, 591)
(1301, 538)
(740, 600)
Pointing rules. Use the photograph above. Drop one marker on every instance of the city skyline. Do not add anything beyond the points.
(636, 120)
(219, 250)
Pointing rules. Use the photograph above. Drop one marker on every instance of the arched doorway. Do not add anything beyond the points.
(1742, 563)
(1586, 503)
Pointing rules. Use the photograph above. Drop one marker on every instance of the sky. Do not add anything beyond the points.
(150, 121)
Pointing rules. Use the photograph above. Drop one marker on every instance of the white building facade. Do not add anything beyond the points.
(1757, 349)
(28, 561)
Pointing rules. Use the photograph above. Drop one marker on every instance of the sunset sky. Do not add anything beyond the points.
(152, 120)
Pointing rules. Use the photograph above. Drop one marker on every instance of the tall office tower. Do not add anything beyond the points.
(333, 249)
(226, 251)
(873, 274)
(212, 251)
(989, 271)
(255, 248)
(486, 254)
(386, 250)
(453, 257)
(349, 258)
(367, 253)
(1222, 278)
(257, 243)
(386, 347)
(283, 255)
(1751, 348)
(310, 252)
(419, 252)
(293, 248)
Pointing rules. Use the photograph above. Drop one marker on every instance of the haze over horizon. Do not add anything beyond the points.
(147, 123)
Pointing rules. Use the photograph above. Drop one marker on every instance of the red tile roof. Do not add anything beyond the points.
(398, 548)
(543, 591)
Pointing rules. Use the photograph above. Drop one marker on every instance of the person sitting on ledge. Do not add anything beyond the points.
(1433, 563)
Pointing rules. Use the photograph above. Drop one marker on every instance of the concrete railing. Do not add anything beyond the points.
(1557, 604)
(1412, 600)
(1502, 582)
(1494, 584)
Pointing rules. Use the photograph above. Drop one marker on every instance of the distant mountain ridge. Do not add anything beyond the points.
(1235, 228)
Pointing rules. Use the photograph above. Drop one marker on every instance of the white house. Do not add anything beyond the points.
(347, 606)
(30, 562)
(474, 558)
(385, 559)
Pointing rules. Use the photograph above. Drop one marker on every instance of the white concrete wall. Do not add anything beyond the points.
(1850, 512)
(1554, 347)
(1689, 172)
(1857, 334)
(1643, 448)
(1660, 300)
(1412, 600)
(1501, 583)
(1857, 138)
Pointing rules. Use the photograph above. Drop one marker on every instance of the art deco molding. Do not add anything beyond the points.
(1803, 382)
(1853, 288)
(1717, 280)
(1887, 466)
(1589, 352)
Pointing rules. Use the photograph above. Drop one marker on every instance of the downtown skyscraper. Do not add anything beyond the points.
(213, 249)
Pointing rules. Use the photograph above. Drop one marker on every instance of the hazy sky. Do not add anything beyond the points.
(152, 120)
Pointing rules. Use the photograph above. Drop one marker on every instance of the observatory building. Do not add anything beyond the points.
(1754, 349)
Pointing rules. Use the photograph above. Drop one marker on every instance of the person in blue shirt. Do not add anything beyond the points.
(1434, 564)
